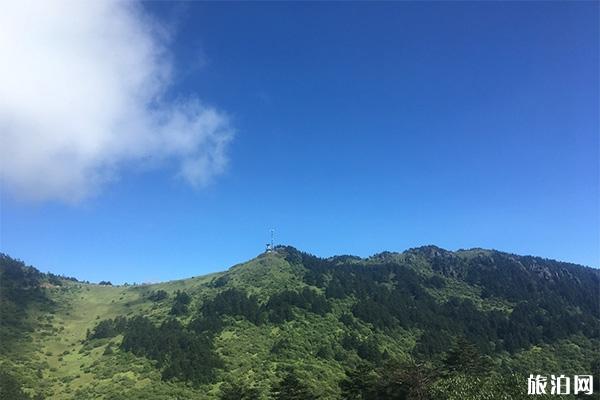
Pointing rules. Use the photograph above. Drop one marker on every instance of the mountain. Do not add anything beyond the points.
(426, 323)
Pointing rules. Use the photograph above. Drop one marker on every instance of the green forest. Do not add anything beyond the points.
(426, 323)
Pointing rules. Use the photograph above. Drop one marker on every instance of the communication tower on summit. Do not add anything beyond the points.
(271, 246)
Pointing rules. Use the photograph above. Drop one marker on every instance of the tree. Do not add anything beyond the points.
(238, 391)
(181, 303)
(410, 381)
(158, 295)
(10, 388)
(464, 357)
(290, 388)
(595, 370)
(360, 384)
(233, 302)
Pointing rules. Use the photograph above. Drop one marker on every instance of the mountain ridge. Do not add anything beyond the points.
(422, 250)
(288, 311)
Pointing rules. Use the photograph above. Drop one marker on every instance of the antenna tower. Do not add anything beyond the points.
(272, 237)
(271, 245)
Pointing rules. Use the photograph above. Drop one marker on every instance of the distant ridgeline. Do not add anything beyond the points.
(423, 324)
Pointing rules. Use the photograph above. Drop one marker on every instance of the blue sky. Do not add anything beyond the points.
(351, 128)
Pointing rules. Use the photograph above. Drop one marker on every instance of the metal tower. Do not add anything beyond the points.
(271, 246)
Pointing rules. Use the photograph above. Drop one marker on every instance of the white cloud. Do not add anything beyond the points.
(83, 95)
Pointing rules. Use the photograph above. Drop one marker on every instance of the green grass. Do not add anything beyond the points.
(72, 367)
(55, 359)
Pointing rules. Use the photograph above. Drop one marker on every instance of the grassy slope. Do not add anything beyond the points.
(70, 368)
(57, 344)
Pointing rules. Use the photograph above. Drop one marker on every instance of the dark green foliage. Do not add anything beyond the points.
(238, 391)
(325, 352)
(20, 288)
(233, 302)
(108, 350)
(531, 278)
(464, 357)
(291, 388)
(58, 280)
(20, 284)
(347, 320)
(375, 312)
(208, 325)
(280, 346)
(432, 342)
(10, 388)
(291, 254)
(436, 282)
(595, 371)
(366, 349)
(181, 303)
(105, 283)
(409, 380)
(54, 280)
(557, 300)
(181, 353)
(158, 295)
(108, 328)
(220, 281)
(280, 305)
(360, 383)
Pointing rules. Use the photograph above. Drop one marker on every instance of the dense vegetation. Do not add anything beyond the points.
(423, 324)
(392, 294)
(20, 290)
